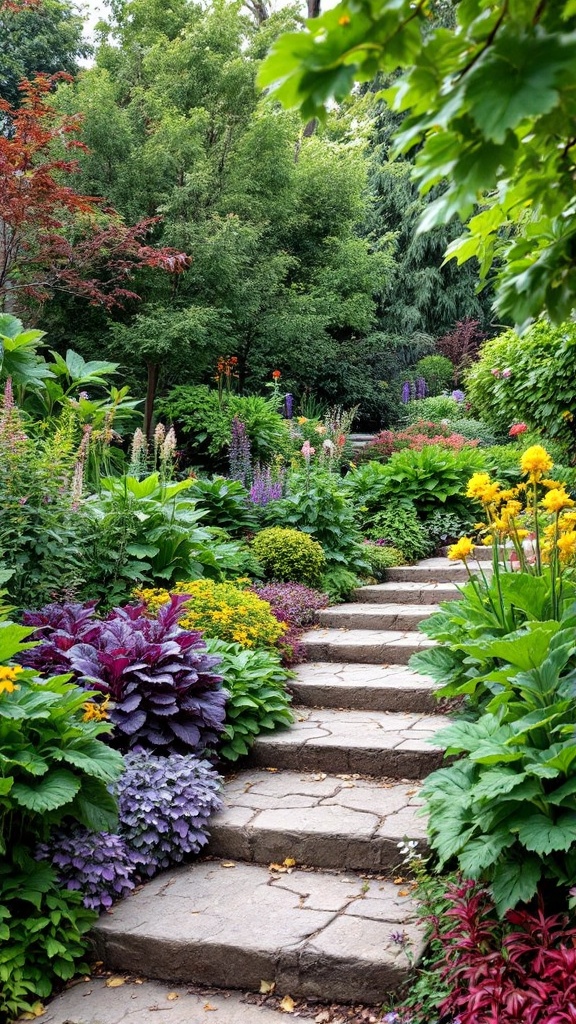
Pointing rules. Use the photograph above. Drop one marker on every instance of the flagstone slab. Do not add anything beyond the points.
(406, 592)
(362, 686)
(395, 616)
(232, 925)
(437, 570)
(376, 743)
(324, 821)
(373, 646)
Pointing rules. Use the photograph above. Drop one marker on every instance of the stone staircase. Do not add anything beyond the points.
(299, 889)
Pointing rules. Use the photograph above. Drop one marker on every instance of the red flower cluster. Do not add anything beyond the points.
(416, 436)
(519, 971)
(517, 428)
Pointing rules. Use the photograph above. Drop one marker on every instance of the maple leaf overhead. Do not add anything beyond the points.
(53, 238)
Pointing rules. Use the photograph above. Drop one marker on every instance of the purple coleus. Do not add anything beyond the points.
(165, 693)
(59, 627)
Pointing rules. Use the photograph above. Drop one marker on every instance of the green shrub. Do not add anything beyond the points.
(224, 503)
(317, 505)
(203, 420)
(399, 526)
(381, 557)
(438, 372)
(339, 582)
(530, 378)
(258, 701)
(441, 407)
(474, 430)
(446, 527)
(290, 556)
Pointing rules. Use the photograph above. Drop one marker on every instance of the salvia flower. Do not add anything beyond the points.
(405, 392)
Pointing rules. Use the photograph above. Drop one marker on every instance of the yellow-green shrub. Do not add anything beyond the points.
(290, 556)
(223, 610)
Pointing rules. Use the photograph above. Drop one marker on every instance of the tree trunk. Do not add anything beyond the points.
(313, 8)
(153, 373)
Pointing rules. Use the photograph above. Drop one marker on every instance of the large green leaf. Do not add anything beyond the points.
(95, 807)
(525, 648)
(481, 852)
(515, 881)
(95, 758)
(541, 835)
(54, 790)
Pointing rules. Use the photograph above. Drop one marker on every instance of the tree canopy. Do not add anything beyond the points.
(490, 104)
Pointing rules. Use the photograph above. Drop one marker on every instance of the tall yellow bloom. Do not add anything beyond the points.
(481, 487)
(556, 500)
(566, 544)
(535, 462)
(461, 550)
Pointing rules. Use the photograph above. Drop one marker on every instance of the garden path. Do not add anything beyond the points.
(301, 886)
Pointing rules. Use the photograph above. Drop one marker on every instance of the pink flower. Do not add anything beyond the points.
(495, 372)
(507, 372)
(517, 428)
(307, 450)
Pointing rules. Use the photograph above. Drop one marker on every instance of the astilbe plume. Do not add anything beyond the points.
(159, 677)
(165, 804)
(417, 436)
(100, 865)
(520, 971)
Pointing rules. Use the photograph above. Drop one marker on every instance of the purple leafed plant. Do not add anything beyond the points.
(100, 865)
(59, 627)
(165, 804)
(164, 692)
(293, 602)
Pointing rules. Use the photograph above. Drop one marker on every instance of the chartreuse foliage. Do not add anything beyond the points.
(290, 555)
(491, 102)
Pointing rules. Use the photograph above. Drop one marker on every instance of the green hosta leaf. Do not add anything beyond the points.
(470, 736)
(526, 648)
(481, 852)
(563, 793)
(437, 662)
(95, 807)
(6, 786)
(496, 783)
(541, 835)
(56, 789)
(451, 785)
(515, 882)
(11, 640)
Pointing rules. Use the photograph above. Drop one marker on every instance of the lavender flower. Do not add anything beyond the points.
(421, 388)
(288, 406)
(100, 865)
(264, 487)
(165, 804)
(405, 392)
(240, 453)
(458, 395)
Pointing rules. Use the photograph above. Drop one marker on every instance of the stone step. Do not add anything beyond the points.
(406, 592)
(483, 552)
(371, 646)
(375, 616)
(330, 936)
(323, 821)
(437, 570)
(349, 685)
(377, 743)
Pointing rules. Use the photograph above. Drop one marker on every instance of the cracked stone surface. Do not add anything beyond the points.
(314, 934)
(152, 1002)
(368, 742)
(374, 646)
(375, 616)
(362, 686)
(320, 820)
(407, 592)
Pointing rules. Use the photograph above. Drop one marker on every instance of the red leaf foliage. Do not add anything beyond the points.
(417, 436)
(52, 237)
(519, 971)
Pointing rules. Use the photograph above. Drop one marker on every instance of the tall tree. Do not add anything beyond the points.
(38, 38)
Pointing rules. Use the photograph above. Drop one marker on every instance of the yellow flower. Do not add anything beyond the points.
(302, 419)
(461, 550)
(567, 521)
(566, 415)
(535, 462)
(522, 534)
(567, 545)
(8, 673)
(480, 486)
(556, 500)
(550, 484)
(94, 712)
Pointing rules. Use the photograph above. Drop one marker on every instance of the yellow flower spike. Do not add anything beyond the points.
(535, 462)
(462, 550)
(566, 545)
(522, 534)
(556, 500)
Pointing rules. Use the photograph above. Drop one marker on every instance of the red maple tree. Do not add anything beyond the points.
(51, 237)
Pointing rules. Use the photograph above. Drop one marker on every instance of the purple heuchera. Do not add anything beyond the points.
(100, 865)
(160, 678)
(165, 804)
(293, 602)
(59, 627)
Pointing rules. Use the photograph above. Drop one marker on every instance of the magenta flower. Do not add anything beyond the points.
(507, 372)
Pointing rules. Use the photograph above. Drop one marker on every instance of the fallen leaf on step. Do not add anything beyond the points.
(115, 982)
(35, 1011)
(172, 996)
(403, 892)
(138, 981)
(278, 867)
(208, 1006)
(411, 792)
(287, 1004)
(227, 864)
(267, 986)
(289, 862)
(399, 880)
(323, 1017)
(271, 769)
